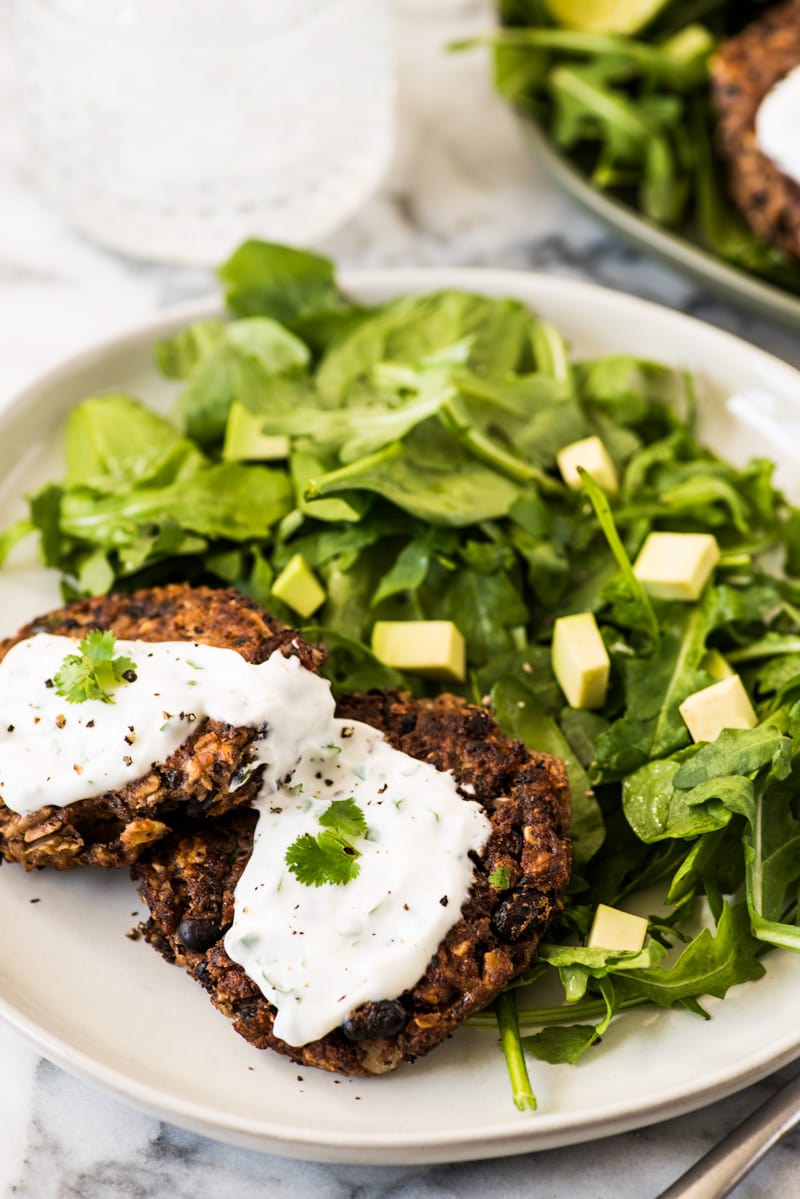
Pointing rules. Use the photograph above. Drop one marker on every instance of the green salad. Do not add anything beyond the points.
(622, 90)
(411, 464)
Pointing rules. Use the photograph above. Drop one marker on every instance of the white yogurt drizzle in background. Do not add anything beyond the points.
(315, 952)
(778, 124)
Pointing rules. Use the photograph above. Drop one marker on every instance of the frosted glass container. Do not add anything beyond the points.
(172, 129)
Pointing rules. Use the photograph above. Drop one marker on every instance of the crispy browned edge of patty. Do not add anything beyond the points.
(112, 829)
(188, 881)
(743, 70)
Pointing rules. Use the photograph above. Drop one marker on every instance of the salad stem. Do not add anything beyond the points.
(505, 1009)
(543, 1017)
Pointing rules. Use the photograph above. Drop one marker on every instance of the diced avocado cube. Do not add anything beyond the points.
(434, 648)
(592, 455)
(244, 441)
(614, 929)
(676, 566)
(716, 665)
(580, 660)
(723, 705)
(299, 587)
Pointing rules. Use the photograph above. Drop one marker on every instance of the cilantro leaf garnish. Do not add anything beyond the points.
(344, 818)
(94, 672)
(331, 856)
(500, 878)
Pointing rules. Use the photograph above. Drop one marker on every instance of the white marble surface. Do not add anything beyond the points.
(461, 190)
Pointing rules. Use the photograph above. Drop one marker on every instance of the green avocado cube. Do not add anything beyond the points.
(723, 705)
(299, 587)
(676, 566)
(433, 648)
(580, 660)
(614, 929)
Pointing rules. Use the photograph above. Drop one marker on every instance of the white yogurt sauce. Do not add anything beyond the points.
(778, 124)
(315, 952)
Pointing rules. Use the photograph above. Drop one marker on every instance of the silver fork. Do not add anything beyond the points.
(724, 1166)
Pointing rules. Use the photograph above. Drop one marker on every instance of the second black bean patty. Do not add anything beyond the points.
(188, 880)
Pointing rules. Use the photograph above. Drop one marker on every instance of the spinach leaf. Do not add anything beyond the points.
(430, 476)
(177, 356)
(264, 279)
(657, 809)
(113, 442)
(414, 328)
(240, 365)
(230, 500)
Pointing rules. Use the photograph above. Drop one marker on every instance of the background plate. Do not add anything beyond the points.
(718, 276)
(109, 1009)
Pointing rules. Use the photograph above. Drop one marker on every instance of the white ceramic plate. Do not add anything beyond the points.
(109, 1009)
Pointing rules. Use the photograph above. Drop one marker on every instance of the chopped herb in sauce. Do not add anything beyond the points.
(94, 672)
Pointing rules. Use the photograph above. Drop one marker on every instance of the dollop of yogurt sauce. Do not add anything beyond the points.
(315, 952)
(778, 124)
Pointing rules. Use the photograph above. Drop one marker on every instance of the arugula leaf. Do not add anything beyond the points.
(772, 853)
(577, 963)
(655, 685)
(710, 965)
(714, 865)
(735, 751)
(639, 610)
(94, 672)
(561, 1045)
(303, 467)
(330, 856)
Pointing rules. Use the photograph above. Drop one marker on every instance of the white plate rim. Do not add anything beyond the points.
(515, 1134)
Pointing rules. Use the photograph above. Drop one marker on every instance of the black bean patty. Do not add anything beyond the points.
(187, 881)
(742, 72)
(113, 828)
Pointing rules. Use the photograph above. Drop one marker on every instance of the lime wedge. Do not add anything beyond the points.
(605, 16)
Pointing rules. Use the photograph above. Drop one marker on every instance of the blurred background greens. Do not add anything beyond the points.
(620, 88)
